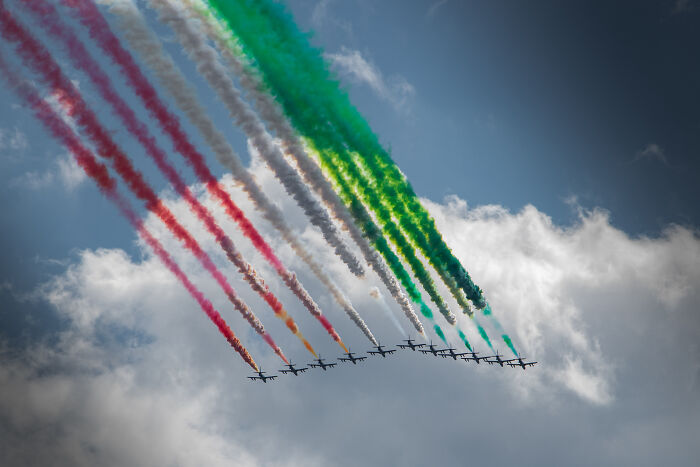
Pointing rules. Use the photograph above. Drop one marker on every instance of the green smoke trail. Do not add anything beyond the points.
(497, 324)
(464, 339)
(482, 333)
(276, 65)
(440, 334)
(271, 20)
(509, 343)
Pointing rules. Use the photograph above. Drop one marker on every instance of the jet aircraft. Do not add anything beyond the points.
(261, 376)
(450, 352)
(474, 357)
(519, 362)
(431, 349)
(497, 359)
(351, 358)
(321, 364)
(293, 369)
(381, 351)
(410, 345)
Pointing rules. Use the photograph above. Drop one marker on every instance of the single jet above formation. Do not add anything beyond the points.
(498, 360)
(293, 369)
(519, 362)
(450, 352)
(261, 376)
(431, 349)
(351, 358)
(381, 351)
(321, 364)
(410, 345)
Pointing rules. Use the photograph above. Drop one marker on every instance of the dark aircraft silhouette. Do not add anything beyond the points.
(351, 358)
(498, 359)
(519, 362)
(474, 357)
(410, 345)
(450, 352)
(431, 349)
(261, 376)
(321, 364)
(381, 351)
(294, 370)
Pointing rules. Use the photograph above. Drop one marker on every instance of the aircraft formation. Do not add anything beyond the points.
(408, 344)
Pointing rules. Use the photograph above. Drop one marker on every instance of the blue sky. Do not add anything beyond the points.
(556, 145)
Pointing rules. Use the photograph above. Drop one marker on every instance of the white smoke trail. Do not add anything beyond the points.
(305, 165)
(142, 40)
(374, 293)
(213, 71)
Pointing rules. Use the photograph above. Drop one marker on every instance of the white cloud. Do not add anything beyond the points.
(141, 377)
(652, 152)
(13, 139)
(64, 171)
(395, 90)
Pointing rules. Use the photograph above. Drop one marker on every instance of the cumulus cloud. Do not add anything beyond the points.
(395, 90)
(64, 171)
(140, 377)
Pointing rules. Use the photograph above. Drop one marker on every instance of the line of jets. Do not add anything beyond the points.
(408, 344)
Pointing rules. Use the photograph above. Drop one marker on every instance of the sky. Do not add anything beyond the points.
(555, 144)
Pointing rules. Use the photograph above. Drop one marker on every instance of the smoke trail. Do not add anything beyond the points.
(267, 19)
(215, 74)
(306, 167)
(373, 234)
(47, 15)
(482, 332)
(440, 334)
(374, 293)
(37, 58)
(464, 339)
(208, 64)
(309, 117)
(497, 324)
(98, 172)
(99, 30)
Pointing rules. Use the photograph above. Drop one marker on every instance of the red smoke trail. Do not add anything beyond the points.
(100, 31)
(38, 59)
(47, 15)
(99, 174)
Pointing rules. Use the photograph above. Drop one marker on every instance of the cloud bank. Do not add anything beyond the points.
(611, 319)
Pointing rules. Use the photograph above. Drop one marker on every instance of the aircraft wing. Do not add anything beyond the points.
(331, 365)
(390, 351)
(344, 359)
(253, 378)
(284, 372)
(271, 377)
